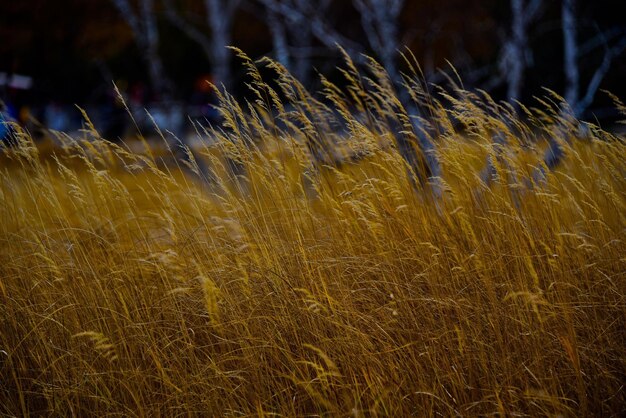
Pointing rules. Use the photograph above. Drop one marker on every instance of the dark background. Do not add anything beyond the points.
(74, 49)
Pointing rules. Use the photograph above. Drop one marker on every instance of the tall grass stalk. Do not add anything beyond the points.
(310, 276)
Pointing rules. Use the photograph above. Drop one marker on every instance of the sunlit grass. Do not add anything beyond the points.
(284, 284)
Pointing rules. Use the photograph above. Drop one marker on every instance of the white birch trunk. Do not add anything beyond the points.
(570, 52)
(145, 30)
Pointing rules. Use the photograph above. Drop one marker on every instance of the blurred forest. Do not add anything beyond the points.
(158, 50)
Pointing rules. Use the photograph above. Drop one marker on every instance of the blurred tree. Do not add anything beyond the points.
(292, 40)
(219, 18)
(571, 53)
(143, 23)
(73, 48)
(381, 25)
(516, 53)
(316, 16)
(380, 20)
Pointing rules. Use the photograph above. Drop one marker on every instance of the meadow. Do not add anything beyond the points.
(295, 264)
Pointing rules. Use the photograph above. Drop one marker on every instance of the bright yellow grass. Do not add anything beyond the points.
(128, 287)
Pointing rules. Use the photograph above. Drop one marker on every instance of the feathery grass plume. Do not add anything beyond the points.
(312, 277)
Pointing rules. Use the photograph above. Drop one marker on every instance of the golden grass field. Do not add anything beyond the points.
(129, 287)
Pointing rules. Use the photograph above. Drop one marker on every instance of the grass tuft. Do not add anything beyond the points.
(309, 273)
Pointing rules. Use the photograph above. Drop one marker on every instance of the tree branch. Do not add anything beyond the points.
(129, 15)
(187, 28)
(598, 76)
(319, 28)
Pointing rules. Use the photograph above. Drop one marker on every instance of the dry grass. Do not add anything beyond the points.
(302, 288)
